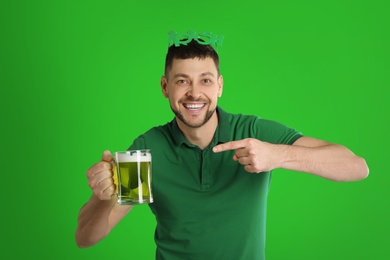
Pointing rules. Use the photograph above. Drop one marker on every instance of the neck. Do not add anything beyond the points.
(201, 136)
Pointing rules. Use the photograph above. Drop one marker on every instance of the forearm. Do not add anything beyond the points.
(330, 161)
(93, 221)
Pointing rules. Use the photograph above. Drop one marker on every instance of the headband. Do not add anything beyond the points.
(204, 38)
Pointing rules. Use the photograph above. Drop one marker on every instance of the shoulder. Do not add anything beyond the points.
(244, 121)
(235, 118)
(249, 125)
(153, 136)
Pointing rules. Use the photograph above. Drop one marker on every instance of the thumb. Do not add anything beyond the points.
(107, 156)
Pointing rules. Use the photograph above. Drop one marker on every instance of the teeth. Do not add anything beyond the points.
(194, 106)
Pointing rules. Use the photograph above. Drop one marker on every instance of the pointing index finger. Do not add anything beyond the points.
(233, 145)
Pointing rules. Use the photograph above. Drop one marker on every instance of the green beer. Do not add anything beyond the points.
(133, 177)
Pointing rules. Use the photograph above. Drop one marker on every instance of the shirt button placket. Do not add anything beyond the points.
(205, 170)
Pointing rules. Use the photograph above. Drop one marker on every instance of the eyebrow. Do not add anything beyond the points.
(182, 75)
(207, 74)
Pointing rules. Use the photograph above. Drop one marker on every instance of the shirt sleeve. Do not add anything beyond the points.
(138, 144)
(275, 132)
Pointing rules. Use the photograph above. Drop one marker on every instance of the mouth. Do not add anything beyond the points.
(194, 106)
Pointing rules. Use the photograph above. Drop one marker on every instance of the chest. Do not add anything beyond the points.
(193, 183)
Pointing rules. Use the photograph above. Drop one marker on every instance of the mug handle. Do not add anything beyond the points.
(115, 176)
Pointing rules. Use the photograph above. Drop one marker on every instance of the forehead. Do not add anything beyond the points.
(193, 66)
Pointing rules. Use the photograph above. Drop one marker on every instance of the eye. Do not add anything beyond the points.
(181, 81)
(207, 81)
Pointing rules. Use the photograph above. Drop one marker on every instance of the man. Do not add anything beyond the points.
(211, 169)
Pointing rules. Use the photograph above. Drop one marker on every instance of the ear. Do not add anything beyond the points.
(220, 86)
(164, 86)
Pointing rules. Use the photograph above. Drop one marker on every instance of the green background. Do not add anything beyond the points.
(78, 77)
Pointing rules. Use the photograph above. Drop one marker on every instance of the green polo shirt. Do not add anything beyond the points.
(206, 205)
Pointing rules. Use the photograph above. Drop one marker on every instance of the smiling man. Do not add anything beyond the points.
(193, 86)
(211, 169)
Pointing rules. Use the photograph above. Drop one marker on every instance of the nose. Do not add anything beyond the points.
(194, 91)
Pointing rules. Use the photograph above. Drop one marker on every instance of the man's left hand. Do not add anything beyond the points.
(256, 156)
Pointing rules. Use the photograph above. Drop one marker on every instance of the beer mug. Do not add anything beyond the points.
(133, 177)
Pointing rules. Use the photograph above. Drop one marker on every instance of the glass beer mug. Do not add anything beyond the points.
(133, 177)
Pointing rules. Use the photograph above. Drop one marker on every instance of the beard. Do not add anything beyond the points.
(197, 124)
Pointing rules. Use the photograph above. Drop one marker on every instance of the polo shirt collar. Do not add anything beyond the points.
(177, 135)
(222, 133)
(223, 129)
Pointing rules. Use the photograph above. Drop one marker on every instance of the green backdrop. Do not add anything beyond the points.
(78, 77)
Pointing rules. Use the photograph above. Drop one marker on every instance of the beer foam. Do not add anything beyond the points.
(127, 157)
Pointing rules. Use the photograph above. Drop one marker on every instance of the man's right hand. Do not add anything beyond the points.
(100, 177)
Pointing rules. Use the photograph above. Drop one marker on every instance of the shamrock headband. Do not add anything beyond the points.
(204, 38)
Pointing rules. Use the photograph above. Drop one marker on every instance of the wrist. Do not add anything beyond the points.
(285, 155)
(96, 201)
